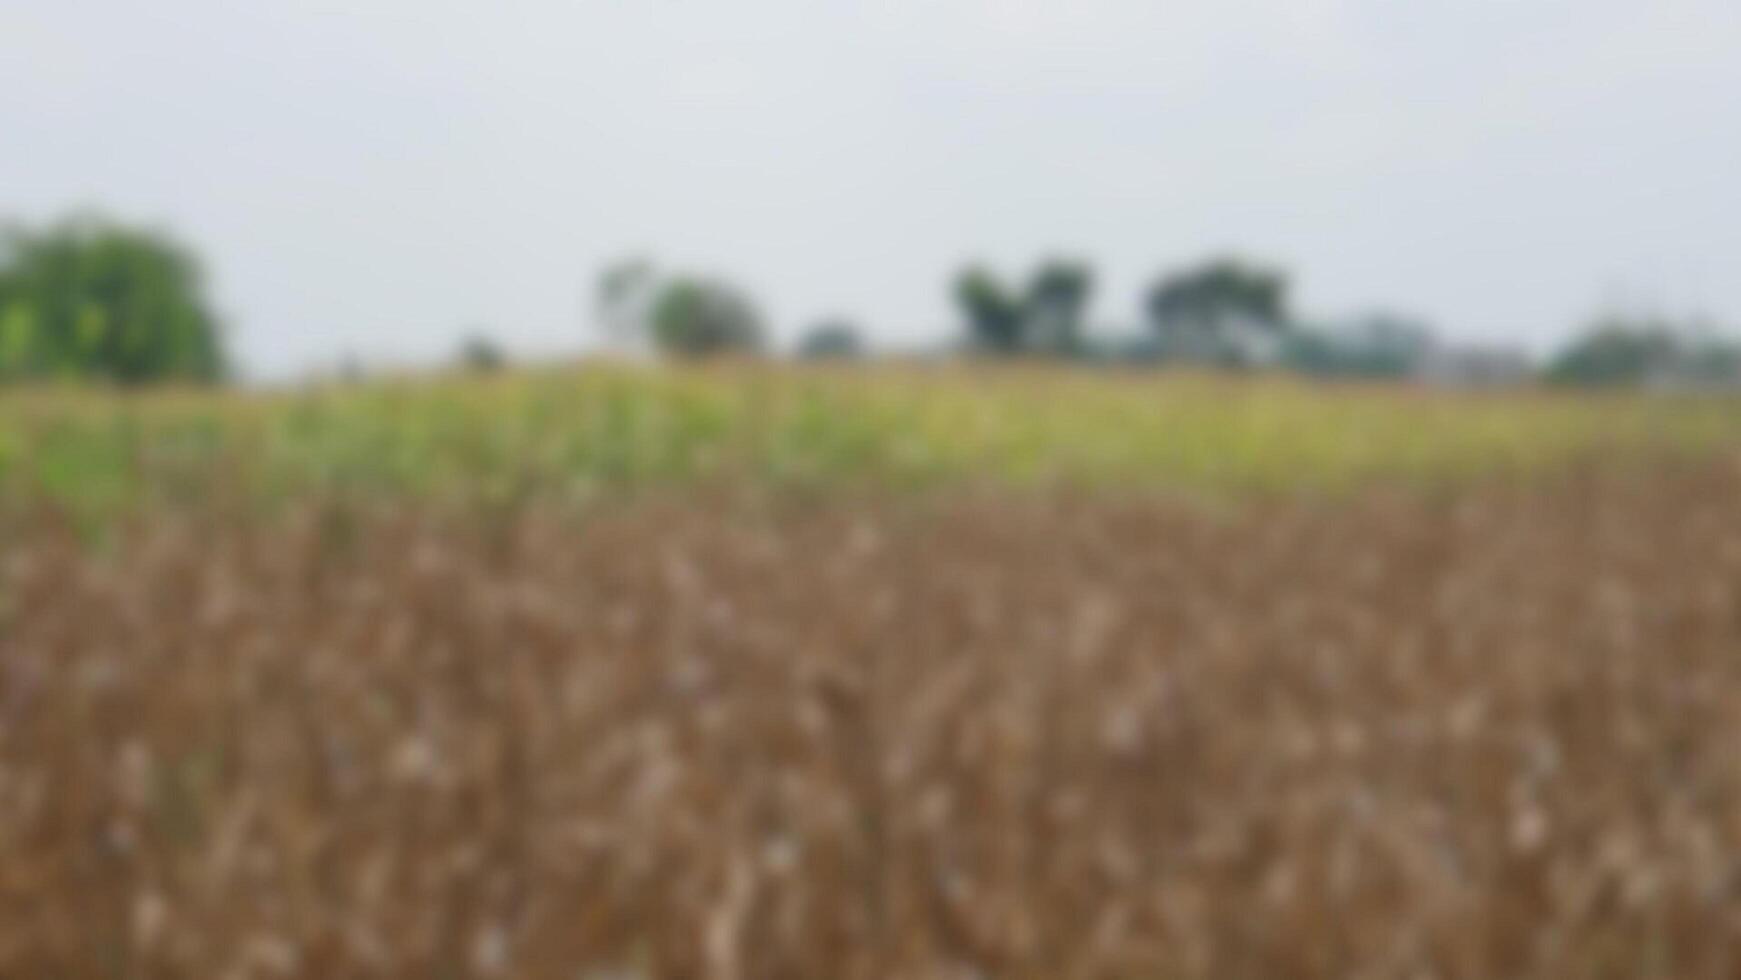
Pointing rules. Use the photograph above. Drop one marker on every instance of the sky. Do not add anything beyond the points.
(377, 178)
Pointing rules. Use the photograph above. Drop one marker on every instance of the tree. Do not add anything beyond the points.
(1379, 345)
(1046, 317)
(678, 315)
(694, 316)
(1712, 361)
(833, 339)
(1631, 350)
(91, 298)
(481, 355)
(993, 311)
(1223, 311)
(1057, 301)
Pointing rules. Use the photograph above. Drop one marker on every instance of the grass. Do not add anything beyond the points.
(577, 432)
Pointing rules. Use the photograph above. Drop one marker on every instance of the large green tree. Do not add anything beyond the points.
(694, 316)
(676, 314)
(1046, 317)
(92, 298)
(1219, 310)
(993, 311)
(1058, 296)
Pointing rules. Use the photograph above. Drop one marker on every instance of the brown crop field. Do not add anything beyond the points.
(1489, 730)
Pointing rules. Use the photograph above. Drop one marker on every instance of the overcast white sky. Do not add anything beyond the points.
(374, 177)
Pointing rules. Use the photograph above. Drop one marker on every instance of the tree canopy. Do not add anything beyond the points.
(1630, 350)
(676, 314)
(993, 311)
(1057, 302)
(94, 299)
(1214, 310)
(694, 316)
(1045, 317)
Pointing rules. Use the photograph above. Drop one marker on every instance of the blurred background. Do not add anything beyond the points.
(1090, 490)
(373, 183)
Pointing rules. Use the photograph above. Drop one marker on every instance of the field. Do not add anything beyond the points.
(571, 436)
(755, 672)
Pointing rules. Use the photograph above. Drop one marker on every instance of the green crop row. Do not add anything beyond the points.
(584, 430)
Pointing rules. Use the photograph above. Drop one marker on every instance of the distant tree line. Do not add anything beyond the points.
(1647, 349)
(92, 298)
(1225, 313)
(1231, 313)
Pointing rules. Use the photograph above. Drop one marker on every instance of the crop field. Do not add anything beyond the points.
(754, 672)
(573, 435)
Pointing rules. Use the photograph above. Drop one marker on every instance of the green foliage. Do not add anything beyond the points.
(563, 435)
(683, 316)
(1044, 318)
(1627, 350)
(993, 311)
(1380, 346)
(1057, 303)
(697, 317)
(1218, 312)
(834, 339)
(92, 299)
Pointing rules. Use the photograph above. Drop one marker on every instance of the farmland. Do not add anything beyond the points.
(573, 435)
(762, 672)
